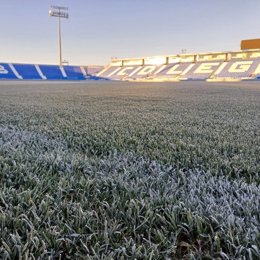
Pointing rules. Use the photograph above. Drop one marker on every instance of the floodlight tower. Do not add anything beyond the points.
(60, 12)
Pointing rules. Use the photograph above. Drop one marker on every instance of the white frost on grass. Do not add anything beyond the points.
(14, 140)
(231, 204)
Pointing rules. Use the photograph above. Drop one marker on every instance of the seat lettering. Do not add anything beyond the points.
(3, 70)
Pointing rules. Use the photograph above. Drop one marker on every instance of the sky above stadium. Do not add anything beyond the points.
(98, 30)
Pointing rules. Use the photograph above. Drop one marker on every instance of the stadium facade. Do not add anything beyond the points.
(219, 66)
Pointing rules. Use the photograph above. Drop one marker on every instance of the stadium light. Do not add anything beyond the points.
(60, 12)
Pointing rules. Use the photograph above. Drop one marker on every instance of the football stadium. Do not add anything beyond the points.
(230, 66)
(154, 157)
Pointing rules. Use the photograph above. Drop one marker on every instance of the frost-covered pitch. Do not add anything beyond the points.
(141, 171)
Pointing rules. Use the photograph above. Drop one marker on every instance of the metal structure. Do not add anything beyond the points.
(60, 12)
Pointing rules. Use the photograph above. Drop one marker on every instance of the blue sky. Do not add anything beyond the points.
(100, 29)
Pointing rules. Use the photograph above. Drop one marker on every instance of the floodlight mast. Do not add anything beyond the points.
(60, 12)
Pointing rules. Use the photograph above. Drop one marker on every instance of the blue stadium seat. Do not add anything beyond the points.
(241, 69)
(93, 70)
(52, 72)
(108, 71)
(74, 73)
(6, 72)
(174, 70)
(202, 70)
(27, 71)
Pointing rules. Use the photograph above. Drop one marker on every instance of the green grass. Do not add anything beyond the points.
(129, 171)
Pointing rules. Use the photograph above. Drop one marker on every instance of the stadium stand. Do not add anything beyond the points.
(47, 72)
(6, 72)
(223, 66)
(207, 66)
(92, 70)
(242, 69)
(53, 72)
(202, 70)
(27, 71)
(109, 71)
(178, 70)
(74, 72)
